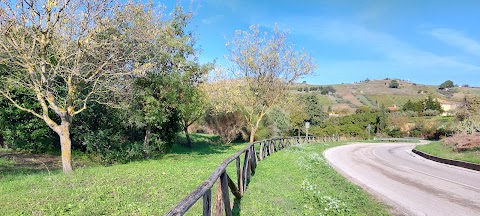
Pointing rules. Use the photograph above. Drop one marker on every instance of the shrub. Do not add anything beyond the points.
(409, 113)
(464, 141)
(111, 147)
(395, 132)
(226, 125)
(430, 112)
(393, 84)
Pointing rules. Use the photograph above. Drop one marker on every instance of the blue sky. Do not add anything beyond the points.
(423, 41)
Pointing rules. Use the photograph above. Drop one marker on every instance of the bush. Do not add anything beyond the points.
(111, 147)
(430, 112)
(22, 130)
(395, 132)
(409, 113)
(393, 84)
(226, 125)
(464, 141)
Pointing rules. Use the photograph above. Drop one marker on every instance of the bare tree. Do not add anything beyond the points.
(264, 65)
(65, 54)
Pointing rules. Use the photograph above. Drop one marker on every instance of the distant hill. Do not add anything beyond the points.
(373, 93)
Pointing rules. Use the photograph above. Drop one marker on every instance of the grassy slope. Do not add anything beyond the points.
(139, 188)
(378, 91)
(441, 150)
(298, 181)
(154, 187)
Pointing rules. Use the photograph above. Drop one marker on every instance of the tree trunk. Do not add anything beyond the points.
(252, 135)
(2, 143)
(189, 140)
(66, 145)
(146, 142)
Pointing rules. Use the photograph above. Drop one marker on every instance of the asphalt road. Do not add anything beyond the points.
(409, 183)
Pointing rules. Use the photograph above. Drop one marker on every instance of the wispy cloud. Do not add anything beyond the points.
(212, 19)
(386, 46)
(457, 39)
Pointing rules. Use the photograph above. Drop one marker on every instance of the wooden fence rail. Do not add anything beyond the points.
(252, 154)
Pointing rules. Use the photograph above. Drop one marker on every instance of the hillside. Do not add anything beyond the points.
(348, 97)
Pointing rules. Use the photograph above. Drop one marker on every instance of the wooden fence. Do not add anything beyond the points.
(252, 154)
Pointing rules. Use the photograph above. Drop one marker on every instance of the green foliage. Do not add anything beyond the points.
(413, 106)
(20, 130)
(326, 90)
(393, 84)
(278, 122)
(426, 107)
(102, 131)
(447, 84)
(363, 109)
(395, 132)
(353, 125)
(313, 108)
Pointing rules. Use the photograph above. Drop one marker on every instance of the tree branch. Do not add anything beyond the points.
(6, 95)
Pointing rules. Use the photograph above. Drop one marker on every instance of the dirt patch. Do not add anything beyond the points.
(14, 162)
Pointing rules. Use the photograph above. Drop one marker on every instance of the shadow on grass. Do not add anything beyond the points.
(237, 207)
(203, 144)
(19, 163)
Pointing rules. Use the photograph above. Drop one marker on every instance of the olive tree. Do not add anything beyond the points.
(264, 64)
(66, 54)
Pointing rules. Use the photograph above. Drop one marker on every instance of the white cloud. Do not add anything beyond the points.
(386, 46)
(457, 39)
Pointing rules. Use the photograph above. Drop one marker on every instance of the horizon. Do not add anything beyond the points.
(424, 42)
(385, 79)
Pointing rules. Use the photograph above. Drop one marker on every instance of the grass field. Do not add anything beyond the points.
(139, 188)
(391, 100)
(296, 180)
(444, 151)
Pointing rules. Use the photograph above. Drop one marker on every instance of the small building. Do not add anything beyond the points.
(393, 109)
(448, 108)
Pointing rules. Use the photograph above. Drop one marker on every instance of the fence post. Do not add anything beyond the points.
(254, 154)
(207, 203)
(239, 175)
(225, 193)
(245, 170)
(260, 149)
(218, 201)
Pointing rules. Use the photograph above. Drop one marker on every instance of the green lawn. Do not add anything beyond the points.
(298, 181)
(439, 149)
(295, 181)
(139, 188)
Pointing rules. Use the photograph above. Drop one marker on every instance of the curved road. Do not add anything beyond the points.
(411, 184)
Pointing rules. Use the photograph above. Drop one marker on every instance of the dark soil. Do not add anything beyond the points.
(32, 163)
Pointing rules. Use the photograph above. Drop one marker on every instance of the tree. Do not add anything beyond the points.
(446, 84)
(393, 84)
(297, 114)
(169, 88)
(278, 121)
(432, 104)
(264, 65)
(192, 103)
(313, 108)
(66, 54)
